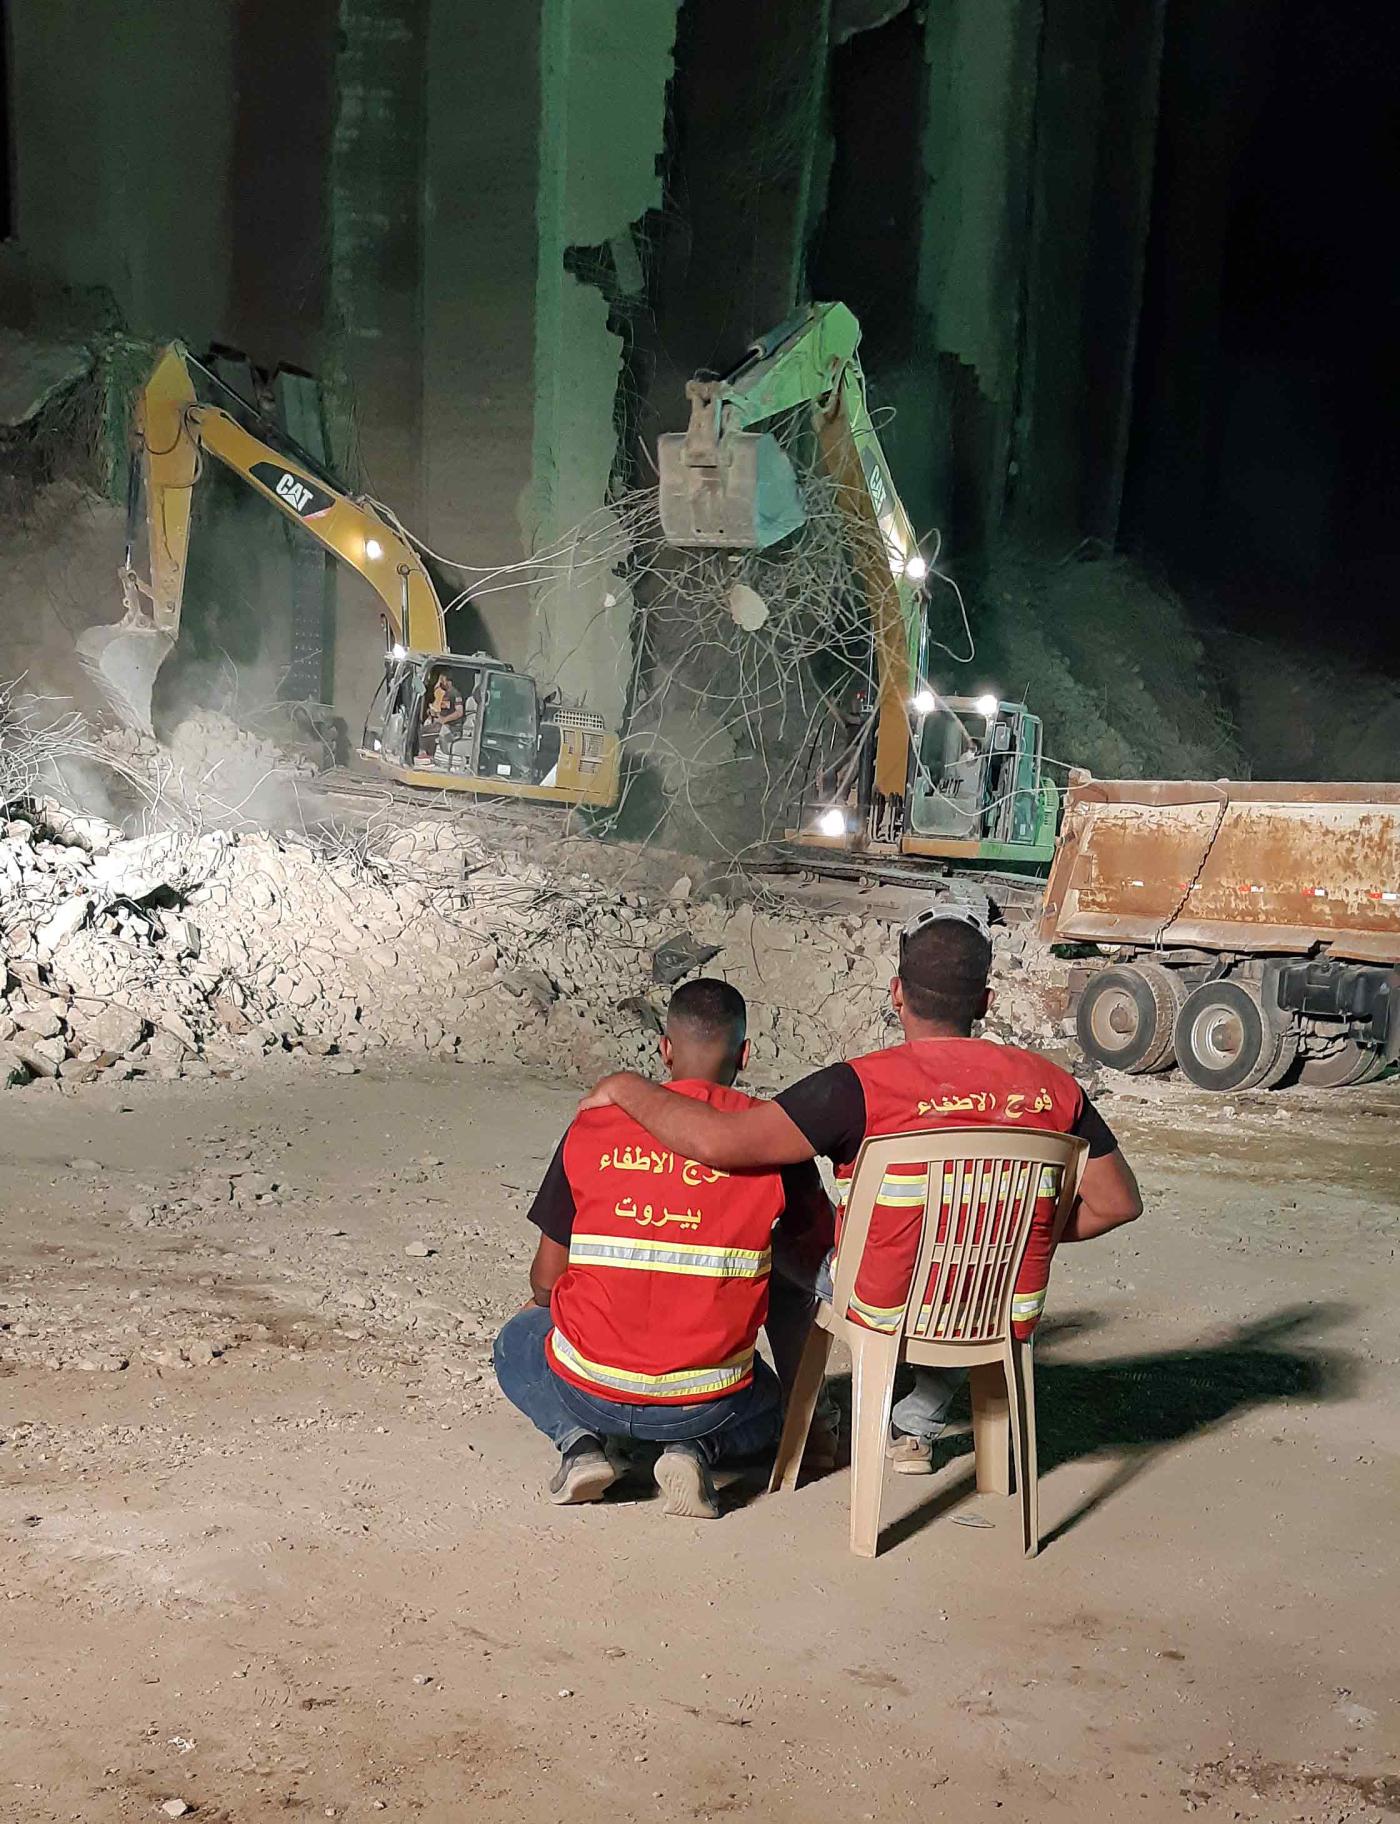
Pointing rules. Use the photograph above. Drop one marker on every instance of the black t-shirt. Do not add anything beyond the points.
(828, 1108)
(805, 1202)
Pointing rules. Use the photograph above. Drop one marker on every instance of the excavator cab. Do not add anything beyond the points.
(977, 779)
(448, 718)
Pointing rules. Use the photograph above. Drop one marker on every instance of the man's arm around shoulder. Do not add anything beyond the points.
(730, 1139)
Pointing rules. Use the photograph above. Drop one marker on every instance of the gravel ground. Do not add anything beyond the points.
(274, 1545)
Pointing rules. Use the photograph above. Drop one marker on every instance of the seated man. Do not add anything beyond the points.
(443, 715)
(940, 1075)
(651, 1280)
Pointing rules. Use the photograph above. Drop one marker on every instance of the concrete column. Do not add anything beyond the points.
(122, 123)
(479, 299)
(604, 67)
(1091, 185)
(376, 187)
(950, 440)
(374, 374)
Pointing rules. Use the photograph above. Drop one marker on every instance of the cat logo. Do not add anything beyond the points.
(304, 498)
(294, 492)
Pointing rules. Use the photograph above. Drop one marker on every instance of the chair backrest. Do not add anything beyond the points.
(980, 1196)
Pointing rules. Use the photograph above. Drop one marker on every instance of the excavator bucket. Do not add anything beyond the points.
(738, 491)
(123, 659)
(746, 499)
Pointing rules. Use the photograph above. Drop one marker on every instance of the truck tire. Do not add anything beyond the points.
(1350, 1063)
(1126, 1017)
(1224, 1040)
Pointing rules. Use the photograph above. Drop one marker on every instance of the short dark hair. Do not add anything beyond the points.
(943, 969)
(709, 1010)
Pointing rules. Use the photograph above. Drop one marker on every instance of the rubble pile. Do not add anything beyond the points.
(211, 770)
(179, 954)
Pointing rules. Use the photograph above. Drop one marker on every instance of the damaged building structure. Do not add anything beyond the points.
(472, 255)
(501, 239)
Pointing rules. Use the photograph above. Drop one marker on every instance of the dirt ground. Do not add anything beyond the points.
(292, 1557)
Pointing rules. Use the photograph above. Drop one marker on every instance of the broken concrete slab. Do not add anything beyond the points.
(113, 1027)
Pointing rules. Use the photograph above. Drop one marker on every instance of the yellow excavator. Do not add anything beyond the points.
(923, 776)
(442, 721)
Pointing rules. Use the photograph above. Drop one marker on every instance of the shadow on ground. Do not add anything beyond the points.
(1142, 1405)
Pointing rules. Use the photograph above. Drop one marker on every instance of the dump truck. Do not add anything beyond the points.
(1242, 931)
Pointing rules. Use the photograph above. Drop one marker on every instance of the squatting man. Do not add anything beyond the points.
(676, 1219)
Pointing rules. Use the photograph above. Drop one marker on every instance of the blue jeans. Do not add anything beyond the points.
(923, 1411)
(736, 1425)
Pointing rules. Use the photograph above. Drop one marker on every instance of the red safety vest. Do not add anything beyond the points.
(958, 1083)
(667, 1282)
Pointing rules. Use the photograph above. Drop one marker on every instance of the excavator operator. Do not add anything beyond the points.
(447, 716)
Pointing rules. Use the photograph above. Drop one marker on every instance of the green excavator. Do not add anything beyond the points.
(918, 775)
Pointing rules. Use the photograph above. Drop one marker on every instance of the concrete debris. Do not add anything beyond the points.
(62, 924)
(678, 957)
(646, 1016)
(177, 954)
(112, 1027)
(38, 1022)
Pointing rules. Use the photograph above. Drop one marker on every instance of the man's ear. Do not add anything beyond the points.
(745, 1053)
(987, 998)
(897, 994)
(667, 1050)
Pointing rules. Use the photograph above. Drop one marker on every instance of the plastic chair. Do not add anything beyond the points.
(958, 1313)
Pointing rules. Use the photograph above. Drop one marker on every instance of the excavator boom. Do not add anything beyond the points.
(173, 434)
(450, 722)
(973, 792)
(725, 483)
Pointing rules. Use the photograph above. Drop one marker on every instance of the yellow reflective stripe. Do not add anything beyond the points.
(669, 1257)
(901, 1200)
(1026, 1305)
(1050, 1177)
(878, 1317)
(718, 1379)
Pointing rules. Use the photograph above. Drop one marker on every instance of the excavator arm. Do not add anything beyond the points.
(723, 486)
(173, 433)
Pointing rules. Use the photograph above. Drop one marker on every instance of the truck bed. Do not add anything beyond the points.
(1249, 867)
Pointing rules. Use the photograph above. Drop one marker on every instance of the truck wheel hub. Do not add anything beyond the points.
(1114, 1017)
(1217, 1037)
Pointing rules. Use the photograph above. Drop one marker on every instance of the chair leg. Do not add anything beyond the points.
(1022, 1372)
(873, 1362)
(991, 1430)
(802, 1403)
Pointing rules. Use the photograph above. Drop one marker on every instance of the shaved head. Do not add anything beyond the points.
(706, 1030)
(943, 970)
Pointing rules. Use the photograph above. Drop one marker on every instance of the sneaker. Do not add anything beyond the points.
(683, 1476)
(911, 1456)
(584, 1474)
(823, 1445)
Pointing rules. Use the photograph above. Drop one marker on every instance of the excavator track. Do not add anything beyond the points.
(1016, 896)
(369, 790)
